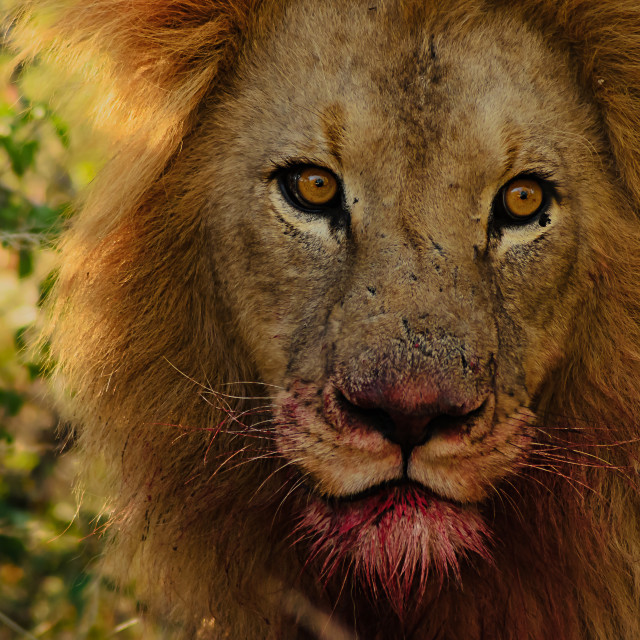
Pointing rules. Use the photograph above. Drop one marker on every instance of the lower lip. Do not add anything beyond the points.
(386, 506)
(400, 510)
(396, 526)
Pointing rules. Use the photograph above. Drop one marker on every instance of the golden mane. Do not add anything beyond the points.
(132, 326)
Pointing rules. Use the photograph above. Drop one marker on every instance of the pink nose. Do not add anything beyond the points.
(406, 415)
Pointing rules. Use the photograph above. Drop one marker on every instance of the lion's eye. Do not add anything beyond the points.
(311, 189)
(522, 199)
(316, 186)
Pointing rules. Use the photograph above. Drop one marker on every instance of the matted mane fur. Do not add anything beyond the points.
(155, 381)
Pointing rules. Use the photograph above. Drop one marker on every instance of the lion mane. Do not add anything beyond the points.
(160, 391)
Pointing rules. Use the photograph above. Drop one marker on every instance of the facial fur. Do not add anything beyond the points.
(418, 304)
(407, 416)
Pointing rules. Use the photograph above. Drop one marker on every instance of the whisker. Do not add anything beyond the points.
(502, 493)
(528, 477)
(288, 463)
(551, 469)
(220, 394)
(603, 445)
(252, 382)
(297, 484)
(229, 458)
(590, 465)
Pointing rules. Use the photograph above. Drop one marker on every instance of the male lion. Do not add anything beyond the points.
(353, 314)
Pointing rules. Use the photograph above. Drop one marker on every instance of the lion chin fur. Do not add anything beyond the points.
(172, 362)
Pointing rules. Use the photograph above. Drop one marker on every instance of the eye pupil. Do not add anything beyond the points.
(523, 198)
(313, 189)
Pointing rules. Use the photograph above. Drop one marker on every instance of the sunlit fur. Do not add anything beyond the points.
(157, 386)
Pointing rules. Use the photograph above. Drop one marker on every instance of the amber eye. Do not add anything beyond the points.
(316, 186)
(523, 198)
(311, 189)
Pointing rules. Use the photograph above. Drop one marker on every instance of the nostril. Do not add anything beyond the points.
(405, 429)
(410, 430)
(402, 429)
(372, 417)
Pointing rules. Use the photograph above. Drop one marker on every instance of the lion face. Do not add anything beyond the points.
(398, 243)
(414, 226)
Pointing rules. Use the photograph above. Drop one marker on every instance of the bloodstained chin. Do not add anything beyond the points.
(395, 542)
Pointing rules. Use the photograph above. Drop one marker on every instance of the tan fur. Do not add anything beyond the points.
(188, 287)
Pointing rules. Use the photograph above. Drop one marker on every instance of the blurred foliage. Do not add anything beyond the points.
(49, 547)
(20, 218)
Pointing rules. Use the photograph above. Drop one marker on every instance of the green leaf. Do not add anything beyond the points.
(76, 592)
(61, 129)
(36, 370)
(11, 401)
(25, 262)
(21, 154)
(43, 219)
(11, 212)
(12, 549)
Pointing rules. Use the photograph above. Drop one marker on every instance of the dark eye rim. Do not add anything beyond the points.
(287, 178)
(504, 218)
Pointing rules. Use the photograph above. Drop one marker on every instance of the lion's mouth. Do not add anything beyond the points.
(395, 533)
(389, 493)
(395, 505)
(385, 508)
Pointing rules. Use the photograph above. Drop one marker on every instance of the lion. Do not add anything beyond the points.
(352, 315)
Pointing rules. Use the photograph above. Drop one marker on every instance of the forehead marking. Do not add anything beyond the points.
(332, 119)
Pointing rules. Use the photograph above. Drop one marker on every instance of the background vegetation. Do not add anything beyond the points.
(49, 547)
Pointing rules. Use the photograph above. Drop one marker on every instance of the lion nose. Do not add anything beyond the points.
(406, 417)
(405, 430)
